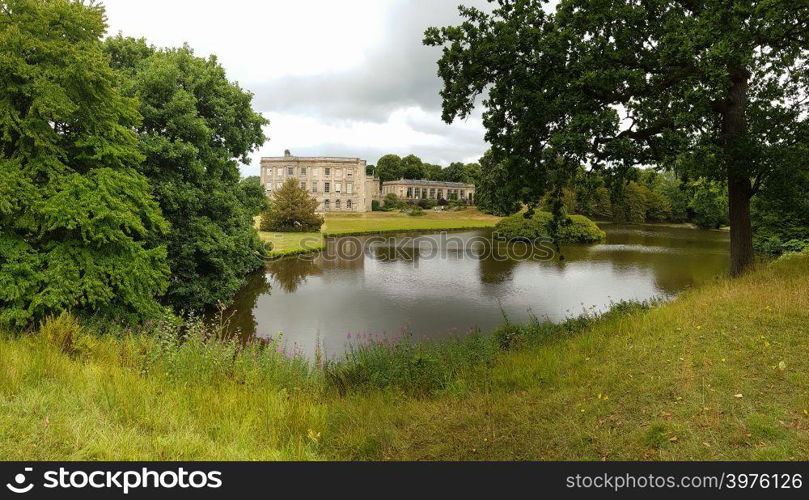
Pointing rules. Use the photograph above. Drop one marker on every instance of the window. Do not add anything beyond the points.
(315, 172)
(432, 193)
(326, 205)
(462, 194)
(303, 186)
(279, 171)
(314, 187)
(326, 187)
(338, 172)
(278, 185)
(349, 188)
(338, 187)
(418, 193)
(337, 204)
(303, 171)
(350, 173)
(328, 171)
(349, 205)
(410, 192)
(290, 170)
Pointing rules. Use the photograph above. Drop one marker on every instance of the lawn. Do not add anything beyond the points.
(721, 373)
(371, 222)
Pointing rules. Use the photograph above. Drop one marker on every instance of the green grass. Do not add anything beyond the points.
(376, 222)
(722, 373)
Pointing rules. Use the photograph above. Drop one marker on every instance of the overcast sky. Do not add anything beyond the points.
(335, 78)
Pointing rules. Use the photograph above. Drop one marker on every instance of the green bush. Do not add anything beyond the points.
(375, 206)
(579, 229)
(416, 211)
(391, 202)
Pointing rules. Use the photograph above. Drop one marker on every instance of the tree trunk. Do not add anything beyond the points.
(741, 233)
(734, 130)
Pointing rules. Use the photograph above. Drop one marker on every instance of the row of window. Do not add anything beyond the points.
(433, 193)
(327, 187)
(314, 171)
(337, 205)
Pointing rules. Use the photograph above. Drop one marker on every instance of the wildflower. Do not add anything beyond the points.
(313, 436)
(782, 366)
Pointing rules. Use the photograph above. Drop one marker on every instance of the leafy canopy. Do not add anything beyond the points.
(712, 88)
(197, 126)
(79, 229)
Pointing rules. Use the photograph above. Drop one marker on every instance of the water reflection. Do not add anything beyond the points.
(434, 284)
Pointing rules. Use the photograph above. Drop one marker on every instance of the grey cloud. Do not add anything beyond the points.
(400, 72)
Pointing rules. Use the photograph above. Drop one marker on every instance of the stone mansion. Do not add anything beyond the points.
(341, 184)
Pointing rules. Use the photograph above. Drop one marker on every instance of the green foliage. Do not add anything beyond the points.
(711, 89)
(632, 204)
(780, 213)
(577, 229)
(293, 211)
(389, 168)
(197, 126)
(79, 229)
(602, 204)
(416, 211)
(496, 192)
(710, 205)
(391, 201)
(376, 206)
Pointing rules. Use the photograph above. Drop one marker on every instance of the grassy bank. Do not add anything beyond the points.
(721, 373)
(376, 222)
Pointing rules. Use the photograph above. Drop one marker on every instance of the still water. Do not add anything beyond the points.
(436, 285)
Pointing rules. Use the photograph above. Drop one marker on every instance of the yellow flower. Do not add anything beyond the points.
(312, 435)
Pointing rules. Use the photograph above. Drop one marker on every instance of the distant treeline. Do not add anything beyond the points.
(780, 214)
(392, 167)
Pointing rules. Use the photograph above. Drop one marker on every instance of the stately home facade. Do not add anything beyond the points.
(338, 184)
(406, 189)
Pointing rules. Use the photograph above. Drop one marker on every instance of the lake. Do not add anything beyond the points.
(441, 284)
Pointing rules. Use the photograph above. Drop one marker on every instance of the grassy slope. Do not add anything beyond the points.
(287, 243)
(661, 384)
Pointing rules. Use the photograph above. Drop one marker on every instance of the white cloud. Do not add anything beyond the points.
(348, 78)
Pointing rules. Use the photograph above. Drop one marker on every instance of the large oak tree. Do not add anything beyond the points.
(713, 88)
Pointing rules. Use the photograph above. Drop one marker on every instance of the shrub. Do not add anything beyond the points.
(293, 210)
(415, 211)
(375, 206)
(427, 204)
(391, 202)
(579, 229)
